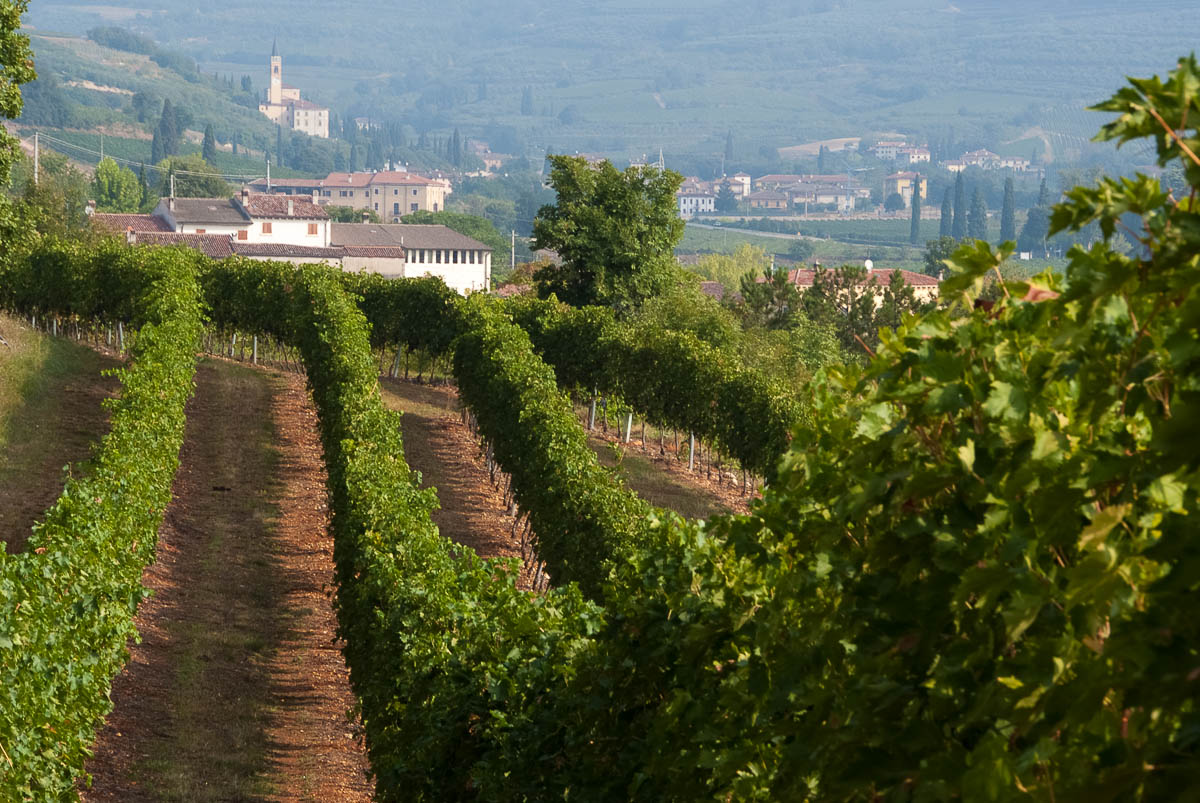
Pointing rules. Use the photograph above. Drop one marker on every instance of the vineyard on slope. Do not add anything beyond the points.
(971, 578)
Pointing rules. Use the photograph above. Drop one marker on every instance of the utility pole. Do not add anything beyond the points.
(36, 154)
(512, 253)
(268, 176)
(172, 184)
(102, 147)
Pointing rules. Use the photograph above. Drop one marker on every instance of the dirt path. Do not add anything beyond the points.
(51, 391)
(437, 444)
(237, 691)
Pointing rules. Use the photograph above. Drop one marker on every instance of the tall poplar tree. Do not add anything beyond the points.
(209, 149)
(1008, 223)
(946, 226)
(914, 230)
(959, 229)
(977, 217)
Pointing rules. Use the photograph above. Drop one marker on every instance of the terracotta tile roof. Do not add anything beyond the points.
(216, 246)
(408, 235)
(803, 277)
(300, 183)
(374, 251)
(122, 223)
(714, 289)
(286, 251)
(278, 206)
(347, 179)
(395, 177)
(767, 195)
(904, 175)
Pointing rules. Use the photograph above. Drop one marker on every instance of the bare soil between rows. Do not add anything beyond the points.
(238, 690)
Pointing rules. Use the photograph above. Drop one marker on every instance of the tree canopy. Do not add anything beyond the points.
(194, 178)
(614, 230)
(116, 188)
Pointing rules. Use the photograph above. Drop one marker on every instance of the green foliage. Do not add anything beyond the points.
(728, 269)
(958, 225)
(893, 203)
(348, 214)
(936, 253)
(615, 232)
(1008, 224)
(67, 602)
(914, 230)
(116, 189)
(208, 148)
(771, 303)
(856, 304)
(16, 68)
(977, 217)
(946, 223)
(194, 178)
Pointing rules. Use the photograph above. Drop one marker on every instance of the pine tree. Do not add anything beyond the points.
(456, 151)
(209, 149)
(947, 223)
(1008, 223)
(914, 230)
(959, 228)
(1043, 195)
(977, 219)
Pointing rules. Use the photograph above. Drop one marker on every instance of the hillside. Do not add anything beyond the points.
(621, 79)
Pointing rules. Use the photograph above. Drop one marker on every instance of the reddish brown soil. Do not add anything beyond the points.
(237, 690)
(439, 445)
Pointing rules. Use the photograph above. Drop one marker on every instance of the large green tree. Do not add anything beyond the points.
(614, 230)
(116, 188)
(209, 148)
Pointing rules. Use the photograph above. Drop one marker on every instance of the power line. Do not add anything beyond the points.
(130, 163)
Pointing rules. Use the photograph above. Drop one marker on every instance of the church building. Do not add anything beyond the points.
(285, 107)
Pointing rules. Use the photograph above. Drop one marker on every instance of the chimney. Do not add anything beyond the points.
(91, 207)
(171, 204)
(291, 207)
(366, 217)
(130, 237)
(245, 196)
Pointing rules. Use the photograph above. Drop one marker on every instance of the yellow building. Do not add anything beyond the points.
(285, 107)
(902, 184)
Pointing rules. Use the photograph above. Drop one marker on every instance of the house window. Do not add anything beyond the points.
(376, 207)
(414, 193)
(312, 229)
(395, 192)
(342, 193)
(266, 227)
(243, 234)
(438, 256)
(412, 207)
(395, 209)
(376, 190)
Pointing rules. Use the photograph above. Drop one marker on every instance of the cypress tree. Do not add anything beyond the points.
(914, 231)
(168, 130)
(729, 146)
(959, 229)
(977, 219)
(209, 149)
(156, 147)
(353, 157)
(456, 151)
(1008, 223)
(1043, 196)
(947, 222)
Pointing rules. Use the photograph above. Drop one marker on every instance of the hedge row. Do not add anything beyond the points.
(67, 602)
(673, 379)
(582, 515)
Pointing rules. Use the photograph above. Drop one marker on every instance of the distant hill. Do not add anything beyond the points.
(625, 78)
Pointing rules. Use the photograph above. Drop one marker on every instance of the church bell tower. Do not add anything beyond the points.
(275, 93)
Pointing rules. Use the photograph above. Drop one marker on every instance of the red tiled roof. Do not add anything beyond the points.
(215, 246)
(277, 206)
(374, 251)
(713, 289)
(803, 277)
(904, 175)
(347, 179)
(285, 250)
(122, 223)
(396, 177)
(510, 290)
(306, 183)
